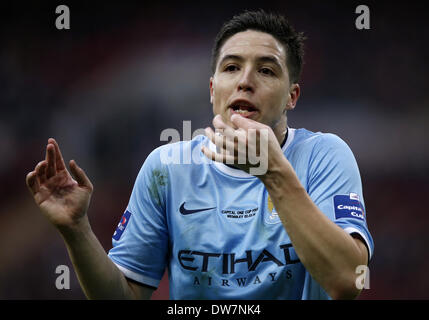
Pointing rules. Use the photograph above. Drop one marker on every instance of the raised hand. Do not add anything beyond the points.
(250, 146)
(62, 199)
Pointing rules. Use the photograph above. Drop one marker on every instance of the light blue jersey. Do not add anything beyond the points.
(215, 227)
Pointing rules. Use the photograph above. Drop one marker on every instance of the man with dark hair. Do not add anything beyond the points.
(275, 25)
(264, 211)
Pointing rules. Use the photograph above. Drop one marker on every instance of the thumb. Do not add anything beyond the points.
(80, 176)
(244, 123)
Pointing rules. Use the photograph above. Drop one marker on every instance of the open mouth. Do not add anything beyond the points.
(243, 109)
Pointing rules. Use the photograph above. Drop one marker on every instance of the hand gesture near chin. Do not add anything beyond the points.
(249, 145)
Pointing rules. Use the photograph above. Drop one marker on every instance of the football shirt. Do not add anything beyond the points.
(215, 228)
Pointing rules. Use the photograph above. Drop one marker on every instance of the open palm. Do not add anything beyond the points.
(62, 199)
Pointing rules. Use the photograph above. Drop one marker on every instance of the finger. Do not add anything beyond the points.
(210, 134)
(214, 156)
(32, 182)
(235, 138)
(59, 161)
(224, 144)
(244, 123)
(80, 176)
(219, 124)
(51, 169)
(217, 138)
(41, 171)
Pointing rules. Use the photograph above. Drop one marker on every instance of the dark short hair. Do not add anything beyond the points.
(273, 24)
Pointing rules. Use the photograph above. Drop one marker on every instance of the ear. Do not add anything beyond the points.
(211, 90)
(294, 93)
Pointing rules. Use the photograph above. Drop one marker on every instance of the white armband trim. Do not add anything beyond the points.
(351, 230)
(137, 276)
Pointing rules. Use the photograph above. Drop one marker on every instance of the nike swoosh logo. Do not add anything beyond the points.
(186, 211)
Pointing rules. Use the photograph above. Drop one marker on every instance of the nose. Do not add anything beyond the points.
(246, 82)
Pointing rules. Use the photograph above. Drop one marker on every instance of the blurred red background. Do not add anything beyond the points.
(125, 71)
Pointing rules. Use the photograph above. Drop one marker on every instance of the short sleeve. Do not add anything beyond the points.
(334, 185)
(140, 242)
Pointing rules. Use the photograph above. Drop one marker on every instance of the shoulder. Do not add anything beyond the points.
(317, 143)
(320, 150)
(304, 138)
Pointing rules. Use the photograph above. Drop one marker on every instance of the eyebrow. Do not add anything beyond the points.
(269, 59)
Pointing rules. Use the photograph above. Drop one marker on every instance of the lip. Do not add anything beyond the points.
(249, 114)
(244, 102)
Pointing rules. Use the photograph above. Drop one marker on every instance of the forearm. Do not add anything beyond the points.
(97, 274)
(328, 253)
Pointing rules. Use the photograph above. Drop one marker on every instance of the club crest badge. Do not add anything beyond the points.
(272, 217)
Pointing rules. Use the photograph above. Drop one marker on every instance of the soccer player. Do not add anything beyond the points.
(294, 230)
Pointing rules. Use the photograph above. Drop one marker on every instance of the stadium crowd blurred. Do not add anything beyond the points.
(125, 71)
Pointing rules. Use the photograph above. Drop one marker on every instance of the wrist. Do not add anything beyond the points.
(281, 178)
(79, 229)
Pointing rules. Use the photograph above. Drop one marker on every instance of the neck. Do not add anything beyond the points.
(280, 129)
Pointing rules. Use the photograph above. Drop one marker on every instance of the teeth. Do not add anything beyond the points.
(240, 109)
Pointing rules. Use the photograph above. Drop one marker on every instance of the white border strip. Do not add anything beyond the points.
(290, 136)
(137, 276)
(351, 230)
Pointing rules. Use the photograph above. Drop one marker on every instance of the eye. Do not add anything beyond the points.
(267, 71)
(231, 68)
